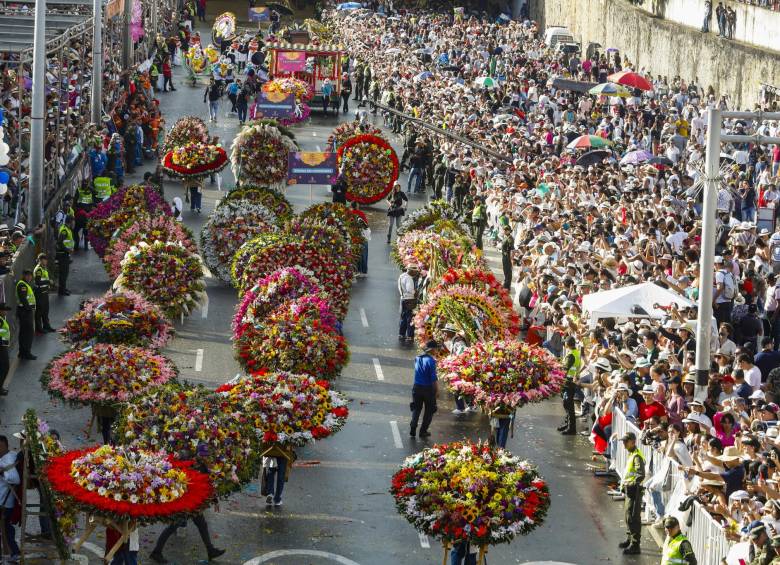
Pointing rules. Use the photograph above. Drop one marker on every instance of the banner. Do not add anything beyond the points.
(274, 105)
(312, 167)
(291, 61)
(259, 14)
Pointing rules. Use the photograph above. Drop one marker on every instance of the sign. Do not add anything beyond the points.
(274, 105)
(312, 167)
(291, 61)
(259, 14)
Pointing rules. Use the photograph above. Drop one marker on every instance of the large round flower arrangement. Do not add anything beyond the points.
(148, 229)
(270, 293)
(426, 216)
(286, 408)
(126, 483)
(105, 374)
(119, 318)
(478, 315)
(326, 236)
(370, 167)
(182, 419)
(166, 274)
(344, 131)
(259, 154)
(126, 204)
(302, 90)
(297, 337)
(267, 253)
(424, 249)
(503, 375)
(341, 217)
(478, 279)
(188, 129)
(194, 160)
(272, 199)
(470, 492)
(229, 226)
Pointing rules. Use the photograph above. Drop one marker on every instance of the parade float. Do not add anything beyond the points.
(194, 160)
(189, 129)
(259, 154)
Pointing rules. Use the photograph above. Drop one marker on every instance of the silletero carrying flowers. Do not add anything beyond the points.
(259, 154)
(188, 129)
(194, 160)
(370, 167)
(503, 375)
(272, 199)
(348, 221)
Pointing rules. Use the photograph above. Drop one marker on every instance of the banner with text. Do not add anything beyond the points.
(312, 167)
(291, 61)
(274, 105)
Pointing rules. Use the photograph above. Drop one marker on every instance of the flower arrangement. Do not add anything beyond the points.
(125, 205)
(297, 337)
(148, 229)
(272, 199)
(286, 408)
(344, 131)
(345, 219)
(229, 226)
(479, 279)
(370, 167)
(188, 129)
(270, 293)
(470, 492)
(422, 249)
(259, 154)
(166, 274)
(302, 90)
(105, 374)
(126, 483)
(503, 375)
(426, 216)
(479, 316)
(190, 421)
(194, 160)
(326, 236)
(269, 252)
(124, 318)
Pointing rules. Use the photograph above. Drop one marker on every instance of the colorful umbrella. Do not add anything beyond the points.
(636, 157)
(632, 79)
(610, 89)
(423, 76)
(485, 82)
(588, 142)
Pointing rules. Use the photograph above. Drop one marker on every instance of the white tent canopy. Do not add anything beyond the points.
(625, 302)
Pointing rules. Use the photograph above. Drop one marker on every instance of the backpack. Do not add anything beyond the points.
(729, 285)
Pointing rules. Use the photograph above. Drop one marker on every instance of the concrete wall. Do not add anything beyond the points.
(666, 48)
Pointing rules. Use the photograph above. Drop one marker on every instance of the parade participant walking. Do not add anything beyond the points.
(456, 344)
(463, 553)
(42, 284)
(507, 248)
(346, 92)
(25, 311)
(677, 549)
(212, 95)
(5, 343)
(408, 283)
(85, 200)
(478, 220)
(276, 463)
(633, 478)
(424, 391)
(398, 203)
(339, 189)
(65, 246)
(9, 478)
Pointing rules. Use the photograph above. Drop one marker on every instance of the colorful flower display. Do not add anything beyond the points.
(302, 90)
(148, 229)
(503, 375)
(194, 160)
(428, 250)
(286, 408)
(188, 129)
(259, 154)
(166, 274)
(127, 204)
(470, 492)
(296, 337)
(105, 374)
(271, 292)
(272, 199)
(327, 236)
(229, 226)
(370, 167)
(478, 316)
(118, 318)
(348, 221)
(426, 216)
(344, 131)
(479, 279)
(191, 422)
(126, 483)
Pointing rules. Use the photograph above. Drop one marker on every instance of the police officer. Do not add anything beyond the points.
(572, 363)
(5, 342)
(25, 311)
(507, 247)
(677, 549)
(85, 201)
(761, 547)
(633, 478)
(41, 285)
(65, 244)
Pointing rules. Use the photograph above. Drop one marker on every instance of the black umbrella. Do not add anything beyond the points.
(660, 161)
(594, 157)
(281, 7)
(454, 68)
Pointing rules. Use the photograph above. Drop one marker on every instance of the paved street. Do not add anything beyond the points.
(337, 499)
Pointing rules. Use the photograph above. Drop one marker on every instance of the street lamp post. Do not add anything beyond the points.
(97, 62)
(37, 117)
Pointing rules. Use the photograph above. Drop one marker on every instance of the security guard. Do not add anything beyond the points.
(507, 248)
(632, 488)
(5, 342)
(65, 244)
(677, 549)
(41, 285)
(25, 311)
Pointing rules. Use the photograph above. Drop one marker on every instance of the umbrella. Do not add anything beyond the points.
(453, 68)
(632, 79)
(636, 157)
(423, 76)
(424, 51)
(349, 6)
(588, 142)
(664, 161)
(610, 89)
(485, 82)
(594, 157)
(282, 7)
(393, 51)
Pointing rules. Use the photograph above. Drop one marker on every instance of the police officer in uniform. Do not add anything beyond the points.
(65, 244)
(632, 488)
(507, 247)
(85, 200)
(25, 311)
(677, 549)
(5, 342)
(761, 549)
(41, 285)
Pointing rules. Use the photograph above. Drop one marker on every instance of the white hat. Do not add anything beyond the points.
(757, 395)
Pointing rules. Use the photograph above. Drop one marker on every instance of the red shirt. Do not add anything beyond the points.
(649, 409)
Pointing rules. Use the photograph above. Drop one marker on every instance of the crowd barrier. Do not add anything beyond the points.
(704, 532)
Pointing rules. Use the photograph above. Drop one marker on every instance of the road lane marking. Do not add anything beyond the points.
(424, 543)
(308, 552)
(198, 360)
(396, 434)
(380, 376)
(204, 311)
(363, 318)
(92, 548)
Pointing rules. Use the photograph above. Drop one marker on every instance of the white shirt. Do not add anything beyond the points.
(753, 377)
(9, 477)
(406, 286)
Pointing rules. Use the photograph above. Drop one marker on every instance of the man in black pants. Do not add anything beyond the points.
(65, 245)
(41, 286)
(424, 391)
(507, 247)
(5, 342)
(25, 311)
